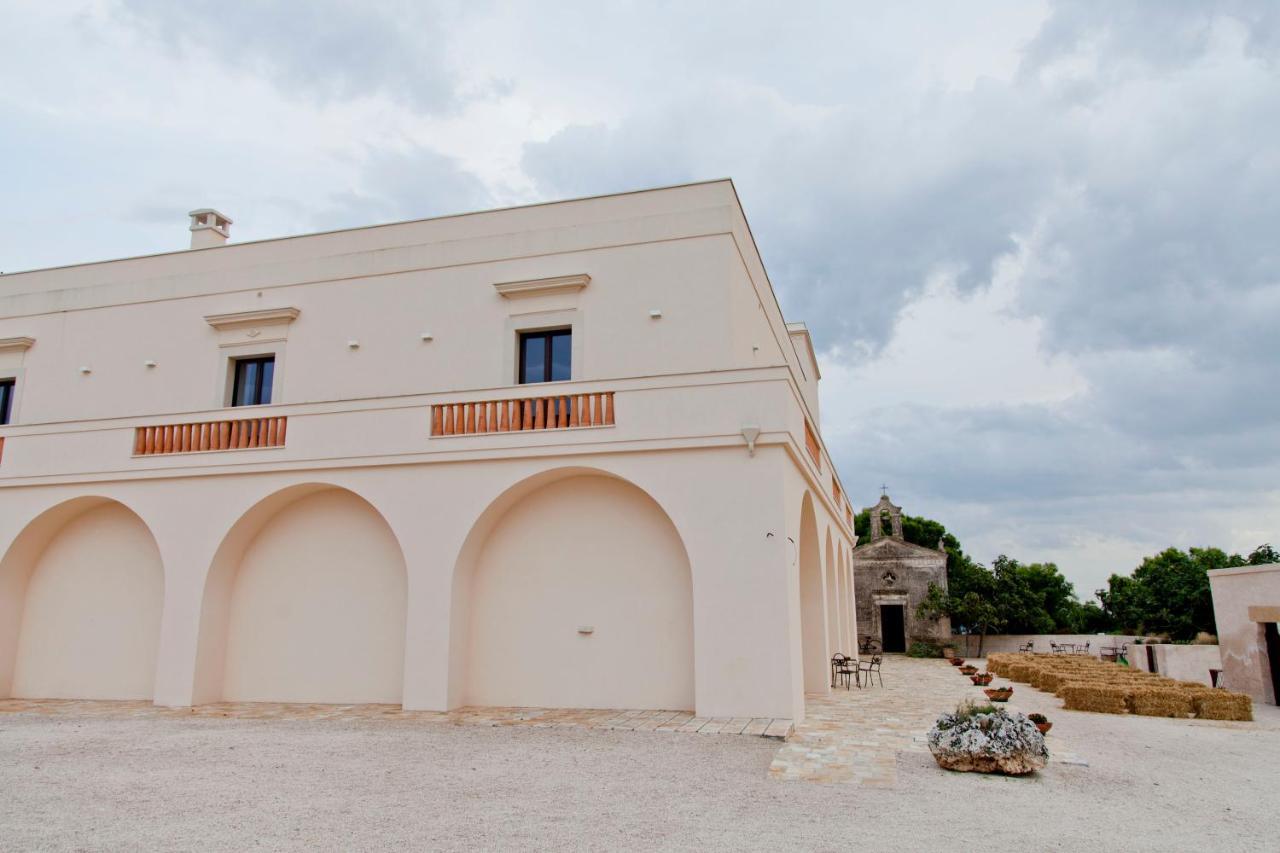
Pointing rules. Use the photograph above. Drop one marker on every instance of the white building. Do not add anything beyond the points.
(561, 455)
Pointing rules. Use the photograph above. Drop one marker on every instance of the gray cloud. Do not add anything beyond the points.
(331, 49)
(1130, 150)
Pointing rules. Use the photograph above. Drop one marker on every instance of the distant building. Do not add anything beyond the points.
(1246, 608)
(891, 577)
(562, 455)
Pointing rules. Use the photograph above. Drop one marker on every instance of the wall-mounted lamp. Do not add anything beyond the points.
(427, 336)
(751, 433)
(655, 313)
(353, 344)
(148, 363)
(86, 370)
(586, 629)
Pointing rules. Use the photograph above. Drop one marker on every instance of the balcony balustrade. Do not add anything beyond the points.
(209, 436)
(555, 411)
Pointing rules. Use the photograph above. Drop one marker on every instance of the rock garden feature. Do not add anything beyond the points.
(1088, 684)
(986, 739)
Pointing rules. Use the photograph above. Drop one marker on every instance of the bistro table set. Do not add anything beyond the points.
(845, 669)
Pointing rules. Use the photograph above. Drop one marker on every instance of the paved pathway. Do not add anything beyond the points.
(661, 721)
(856, 735)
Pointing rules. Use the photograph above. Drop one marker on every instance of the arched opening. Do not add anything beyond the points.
(305, 602)
(82, 592)
(832, 599)
(846, 605)
(813, 645)
(574, 591)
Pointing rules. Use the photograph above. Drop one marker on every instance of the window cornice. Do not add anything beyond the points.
(20, 344)
(243, 319)
(542, 286)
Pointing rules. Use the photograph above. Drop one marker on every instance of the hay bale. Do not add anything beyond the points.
(1099, 699)
(1046, 680)
(1223, 705)
(1161, 702)
(1021, 672)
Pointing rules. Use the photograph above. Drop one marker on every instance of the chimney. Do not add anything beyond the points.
(209, 228)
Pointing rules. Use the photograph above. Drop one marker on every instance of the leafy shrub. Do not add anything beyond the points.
(924, 649)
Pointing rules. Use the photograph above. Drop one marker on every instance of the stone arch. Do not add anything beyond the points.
(565, 551)
(81, 598)
(304, 601)
(813, 644)
(846, 604)
(832, 598)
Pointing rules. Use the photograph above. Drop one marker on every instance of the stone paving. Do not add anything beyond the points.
(856, 735)
(542, 718)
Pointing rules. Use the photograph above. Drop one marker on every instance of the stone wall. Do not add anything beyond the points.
(912, 576)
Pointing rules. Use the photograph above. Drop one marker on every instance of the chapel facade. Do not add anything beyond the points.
(891, 577)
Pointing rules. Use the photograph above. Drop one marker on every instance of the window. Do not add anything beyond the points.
(253, 377)
(6, 400)
(545, 356)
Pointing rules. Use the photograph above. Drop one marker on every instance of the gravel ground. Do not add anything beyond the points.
(82, 783)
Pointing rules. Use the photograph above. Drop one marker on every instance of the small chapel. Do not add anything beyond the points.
(891, 578)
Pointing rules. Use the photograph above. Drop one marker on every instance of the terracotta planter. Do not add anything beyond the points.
(998, 694)
(1044, 727)
(981, 680)
(957, 661)
(948, 652)
(968, 670)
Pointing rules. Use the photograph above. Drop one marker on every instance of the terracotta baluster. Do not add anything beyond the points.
(608, 409)
(437, 425)
(270, 426)
(527, 420)
(280, 431)
(538, 422)
(573, 410)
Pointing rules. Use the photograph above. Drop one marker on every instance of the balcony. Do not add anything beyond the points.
(558, 411)
(208, 436)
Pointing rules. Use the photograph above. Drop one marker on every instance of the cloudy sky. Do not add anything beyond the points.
(1038, 243)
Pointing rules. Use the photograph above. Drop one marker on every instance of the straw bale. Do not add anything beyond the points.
(1161, 702)
(1223, 705)
(1088, 697)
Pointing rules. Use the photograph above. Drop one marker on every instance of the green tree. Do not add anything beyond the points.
(1168, 593)
(1264, 554)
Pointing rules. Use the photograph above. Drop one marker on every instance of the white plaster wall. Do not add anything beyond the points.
(1182, 662)
(587, 551)
(91, 620)
(1242, 641)
(317, 611)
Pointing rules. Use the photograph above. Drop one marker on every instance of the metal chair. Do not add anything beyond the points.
(847, 671)
(840, 669)
(1026, 647)
(870, 668)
